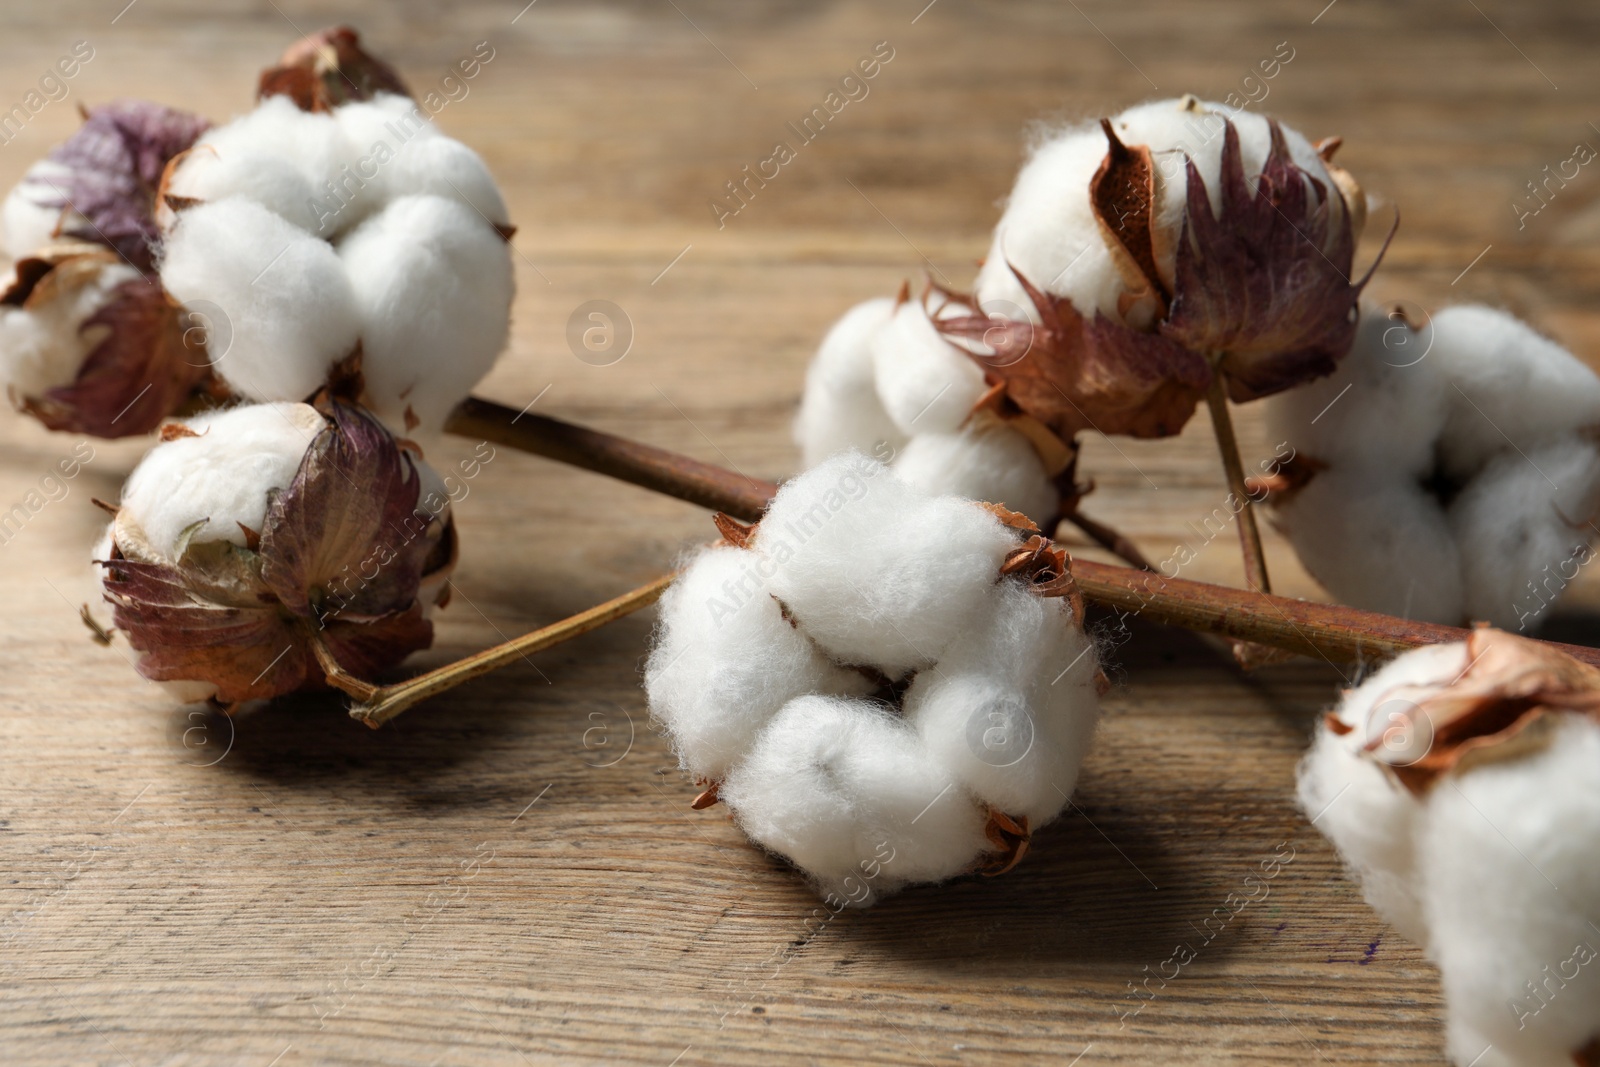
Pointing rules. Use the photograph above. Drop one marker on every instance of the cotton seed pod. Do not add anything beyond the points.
(328, 68)
(311, 234)
(257, 548)
(1179, 240)
(1447, 471)
(884, 686)
(1459, 785)
(99, 185)
(88, 345)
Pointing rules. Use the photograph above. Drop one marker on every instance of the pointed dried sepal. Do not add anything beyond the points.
(1075, 374)
(1010, 838)
(325, 69)
(103, 179)
(1497, 708)
(341, 556)
(1265, 283)
(110, 358)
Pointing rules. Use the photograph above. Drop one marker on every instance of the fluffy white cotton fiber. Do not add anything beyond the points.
(201, 488)
(983, 460)
(725, 660)
(432, 285)
(840, 408)
(773, 666)
(286, 299)
(846, 791)
(44, 347)
(875, 572)
(1453, 468)
(313, 232)
(1490, 868)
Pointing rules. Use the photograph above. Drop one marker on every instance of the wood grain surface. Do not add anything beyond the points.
(512, 874)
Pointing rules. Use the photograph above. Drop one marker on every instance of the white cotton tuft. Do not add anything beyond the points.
(440, 166)
(27, 224)
(208, 173)
(1523, 527)
(1012, 705)
(847, 792)
(1489, 868)
(926, 384)
(1383, 409)
(283, 296)
(1369, 816)
(840, 409)
(726, 660)
(433, 286)
(192, 490)
(309, 142)
(876, 572)
(1048, 232)
(1510, 891)
(1507, 383)
(983, 460)
(44, 347)
(1376, 542)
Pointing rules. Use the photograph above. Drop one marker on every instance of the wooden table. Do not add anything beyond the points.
(512, 874)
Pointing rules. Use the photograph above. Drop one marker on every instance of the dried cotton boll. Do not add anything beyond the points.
(100, 184)
(88, 345)
(840, 408)
(258, 548)
(853, 580)
(983, 460)
(433, 286)
(726, 660)
(1376, 542)
(925, 383)
(1508, 383)
(1012, 705)
(1523, 530)
(1458, 784)
(289, 308)
(846, 791)
(878, 573)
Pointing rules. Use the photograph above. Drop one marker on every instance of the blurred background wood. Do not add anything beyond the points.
(512, 874)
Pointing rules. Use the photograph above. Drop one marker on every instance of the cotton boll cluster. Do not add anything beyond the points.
(884, 685)
(258, 549)
(1447, 472)
(886, 381)
(1458, 783)
(316, 233)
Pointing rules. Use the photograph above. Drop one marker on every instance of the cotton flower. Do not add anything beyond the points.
(258, 548)
(90, 345)
(356, 228)
(99, 185)
(1449, 471)
(1458, 783)
(883, 685)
